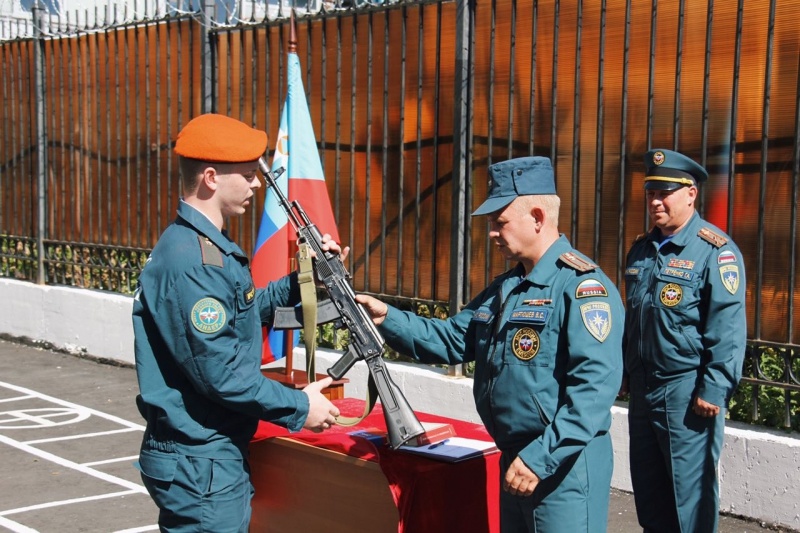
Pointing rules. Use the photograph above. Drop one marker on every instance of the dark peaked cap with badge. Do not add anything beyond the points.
(517, 177)
(669, 171)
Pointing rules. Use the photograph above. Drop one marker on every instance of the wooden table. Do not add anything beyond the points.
(335, 483)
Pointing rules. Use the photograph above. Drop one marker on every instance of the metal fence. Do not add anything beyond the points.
(411, 101)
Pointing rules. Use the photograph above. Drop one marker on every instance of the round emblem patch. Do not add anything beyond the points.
(659, 158)
(208, 315)
(525, 344)
(671, 294)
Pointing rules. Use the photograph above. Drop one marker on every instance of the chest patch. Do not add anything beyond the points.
(681, 263)
(530, 316)
(208, 315)
(250, 294)
(590, 287)
(525, 344)
(597, 319)
(730, 277)
(482, 315)
(671, 294)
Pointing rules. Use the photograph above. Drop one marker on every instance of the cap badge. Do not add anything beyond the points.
(525, 344)
(671, 294)
(659, 158)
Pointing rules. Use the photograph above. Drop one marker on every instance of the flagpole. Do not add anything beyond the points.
(288, 335)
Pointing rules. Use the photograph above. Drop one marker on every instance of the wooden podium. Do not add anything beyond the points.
(304, 488)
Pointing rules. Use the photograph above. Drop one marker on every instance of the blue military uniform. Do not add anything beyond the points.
(685, 337)
(548, 365)
(197, 321)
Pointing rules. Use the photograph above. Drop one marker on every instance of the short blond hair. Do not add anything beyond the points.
(549, 203)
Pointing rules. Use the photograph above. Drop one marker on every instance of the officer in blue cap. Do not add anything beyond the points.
(197, 319)
(546, 338)
(685, 334)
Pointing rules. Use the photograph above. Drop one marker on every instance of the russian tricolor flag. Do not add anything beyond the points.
(303, 180)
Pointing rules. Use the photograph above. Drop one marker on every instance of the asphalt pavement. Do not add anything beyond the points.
(70, 431)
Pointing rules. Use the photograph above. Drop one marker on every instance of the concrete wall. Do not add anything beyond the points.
(759, 470)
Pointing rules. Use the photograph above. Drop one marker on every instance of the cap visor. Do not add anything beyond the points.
(493, 204)
(662, 186)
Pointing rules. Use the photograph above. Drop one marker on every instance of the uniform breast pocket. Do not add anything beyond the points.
(526, 327)
(632, 277)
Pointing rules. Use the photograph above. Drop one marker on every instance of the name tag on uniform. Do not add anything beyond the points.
(529, 316)
(677, 273)
(482, 315)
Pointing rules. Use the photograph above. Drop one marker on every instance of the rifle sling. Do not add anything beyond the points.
(308, 296)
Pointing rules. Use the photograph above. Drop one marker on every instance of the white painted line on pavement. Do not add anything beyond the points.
(154, 527)
(17, 398)
(107, 416)
(73, 465)
(109, 461)
(15, 527)
(82, 436)
(67, 502)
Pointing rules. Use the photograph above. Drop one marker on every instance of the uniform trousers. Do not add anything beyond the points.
(674, 455)
(574, 499)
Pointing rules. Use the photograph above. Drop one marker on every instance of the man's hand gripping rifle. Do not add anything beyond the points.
(366, 341)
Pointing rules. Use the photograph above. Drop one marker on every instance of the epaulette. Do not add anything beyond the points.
(211, 254)
(713, 237)
(578, 263)
(639, 237)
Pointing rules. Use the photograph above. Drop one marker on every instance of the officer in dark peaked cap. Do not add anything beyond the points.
(546, 338)
(685, 334)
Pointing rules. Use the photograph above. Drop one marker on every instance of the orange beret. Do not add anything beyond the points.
(220, 139)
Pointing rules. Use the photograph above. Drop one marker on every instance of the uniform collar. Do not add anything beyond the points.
(201, 224)
(683, 237)
(546, 268)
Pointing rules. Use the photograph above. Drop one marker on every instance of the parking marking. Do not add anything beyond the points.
(16, 527)
(109, 461)
(81, 436)
(66, 502)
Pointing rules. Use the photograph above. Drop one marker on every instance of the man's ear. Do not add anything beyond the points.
(538, 215)
(209, 178)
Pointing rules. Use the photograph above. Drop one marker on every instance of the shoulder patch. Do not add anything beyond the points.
(578, 263)
(711, 236)
(211, 254)
(589, 288)
(208, 315)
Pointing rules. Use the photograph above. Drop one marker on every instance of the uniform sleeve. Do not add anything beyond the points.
(429, 340)
(725, 331)
(593, 328)
(198, 315)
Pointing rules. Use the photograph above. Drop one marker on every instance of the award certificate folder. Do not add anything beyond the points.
(453, 450)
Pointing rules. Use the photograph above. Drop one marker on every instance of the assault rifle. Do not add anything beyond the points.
(366, 341)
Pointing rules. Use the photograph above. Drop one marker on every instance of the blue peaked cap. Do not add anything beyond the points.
(517, 177)
(666, 170)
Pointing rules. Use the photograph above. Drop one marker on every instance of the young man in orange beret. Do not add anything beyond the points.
(197, 320)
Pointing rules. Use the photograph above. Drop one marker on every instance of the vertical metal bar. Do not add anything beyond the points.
(437, 101)
(401, 196)
(554, 93)
(762, 192)
(532, 104)
(418, 158)
(487, 244)
(353, 94)
(576, 127)
(207, 59)
(154, 130)
(462, 119)
(676, 112)
(598, 160)
(623, 145)
(368, 156)
(651, 79)
(793, 217)
(385, 150)
(512, 80)
(706, 89)
(737, 62)
(41, 140)
(107, 36)
(337, 143)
